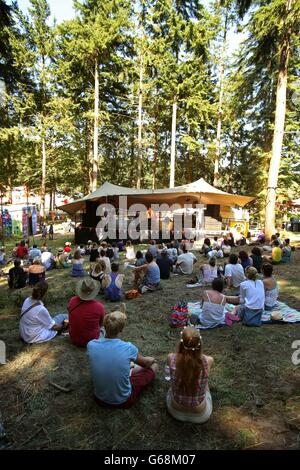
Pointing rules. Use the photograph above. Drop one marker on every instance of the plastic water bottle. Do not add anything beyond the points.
(167, 373)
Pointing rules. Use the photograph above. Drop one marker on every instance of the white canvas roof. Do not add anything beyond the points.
(200, 189)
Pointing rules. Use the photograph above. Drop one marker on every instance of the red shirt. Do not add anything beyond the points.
(84, 320)
(67, 249)
(21, 251)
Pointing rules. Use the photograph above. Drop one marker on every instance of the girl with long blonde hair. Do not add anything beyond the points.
(189, 398)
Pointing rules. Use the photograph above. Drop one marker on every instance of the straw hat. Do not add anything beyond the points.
(276, 315)
(68, 244)
(60, 250)
(87, 289)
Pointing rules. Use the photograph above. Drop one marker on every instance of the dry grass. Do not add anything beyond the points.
(255, 386)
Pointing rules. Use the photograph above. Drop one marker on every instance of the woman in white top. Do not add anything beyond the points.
(106, 260)
(252, 299)
(234, 274)
(209, 271)
(36, 324)
(213, 306)
(270, 285)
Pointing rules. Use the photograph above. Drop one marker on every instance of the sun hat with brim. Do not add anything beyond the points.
(87, 289)
(60, 250)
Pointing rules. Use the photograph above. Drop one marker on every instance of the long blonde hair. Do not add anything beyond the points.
(189, 362)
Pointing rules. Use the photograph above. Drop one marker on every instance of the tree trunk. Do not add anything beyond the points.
(173, 143)
(94, 169)
(154, 161)
(284, 49)
(43, 185)
(220, 105)
(140, 127)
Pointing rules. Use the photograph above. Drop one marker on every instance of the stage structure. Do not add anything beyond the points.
(217, 210)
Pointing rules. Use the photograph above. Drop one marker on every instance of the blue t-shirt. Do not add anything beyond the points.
(110, 368)
(153, 274)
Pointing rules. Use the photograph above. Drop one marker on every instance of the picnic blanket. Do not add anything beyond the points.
(289, 314)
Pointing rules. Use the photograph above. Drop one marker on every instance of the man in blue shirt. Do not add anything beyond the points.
(116, 382)
(34, 253)
(147, 276)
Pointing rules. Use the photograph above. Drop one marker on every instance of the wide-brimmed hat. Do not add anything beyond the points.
(87, 289)
(68, 244)
(60, 250)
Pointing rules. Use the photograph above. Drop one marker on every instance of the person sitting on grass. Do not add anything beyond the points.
(226, 248)
(147, 276)
(213, 305)
(36, 324)
(276, 254)
(62, 259)
(106, 260)
(140, 259)
(252, 299)
(22, 250)
(2, 256)
(209, 271)
(165, 264)
(172, 252)
(36, 272)
(129, 251)
(77, 265)
(286, 251)
(270, 285)
(152, 248)
(85, 313)
(189, 398)
(257, 259)
(47, 259)
(116, 383)
(112, 284)
(94, 252)
(68, 247)
(97, 272)
(245, 260)
(17, 277)
(185, 262)
(206, 247)
(234, 274)
(34, 253)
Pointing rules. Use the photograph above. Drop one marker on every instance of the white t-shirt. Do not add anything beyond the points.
(236, 271)
(209, 272)
(107, 263)
(252, 294)
(46, 259)
(185, 262)
(35, 325)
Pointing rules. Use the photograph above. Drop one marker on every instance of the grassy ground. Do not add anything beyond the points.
(254, 385)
